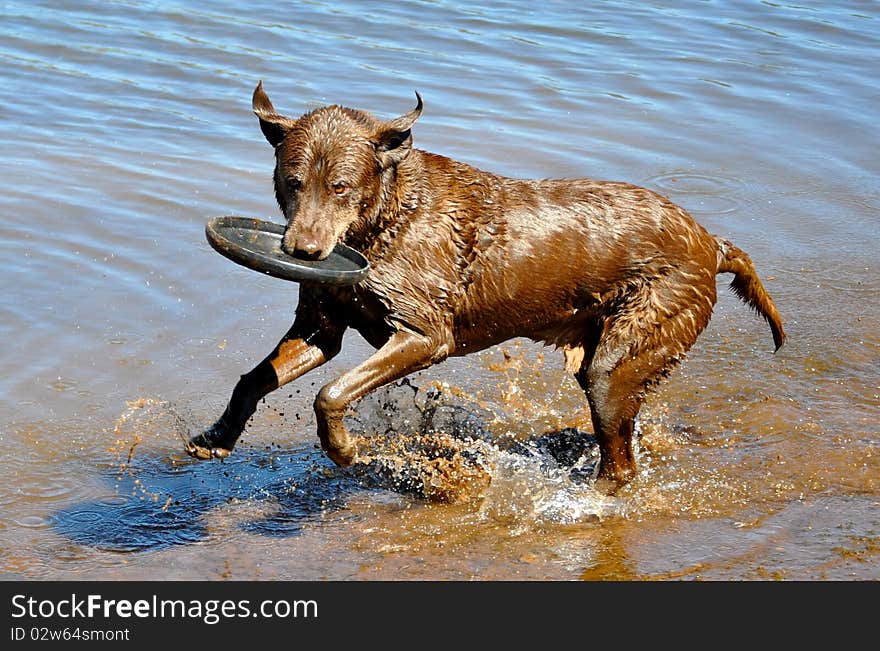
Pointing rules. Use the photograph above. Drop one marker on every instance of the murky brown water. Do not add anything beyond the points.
(126, 126)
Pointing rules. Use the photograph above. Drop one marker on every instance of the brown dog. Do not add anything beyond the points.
(619, 277)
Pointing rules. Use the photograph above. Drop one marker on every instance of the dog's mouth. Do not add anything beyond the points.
(309, 256)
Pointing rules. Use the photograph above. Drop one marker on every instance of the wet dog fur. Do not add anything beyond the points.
(617, 276)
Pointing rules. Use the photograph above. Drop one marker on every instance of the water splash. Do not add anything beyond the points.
(441, 447)
(549, 478)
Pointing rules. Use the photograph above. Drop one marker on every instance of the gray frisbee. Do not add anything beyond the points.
(256, 244)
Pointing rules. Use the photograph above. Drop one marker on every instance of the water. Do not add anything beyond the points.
(127, 125)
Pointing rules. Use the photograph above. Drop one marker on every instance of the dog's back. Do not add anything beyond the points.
(493, 258)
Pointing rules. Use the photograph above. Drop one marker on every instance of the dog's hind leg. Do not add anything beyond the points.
(637, 347)
(402, 354)
(615, 398)
(302, 349)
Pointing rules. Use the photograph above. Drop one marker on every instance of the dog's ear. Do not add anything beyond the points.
(274, 126)
(393, 140)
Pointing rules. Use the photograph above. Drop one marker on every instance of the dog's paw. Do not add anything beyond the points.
(202, 452)
(343, 457)
(208, 445)
(612, 479)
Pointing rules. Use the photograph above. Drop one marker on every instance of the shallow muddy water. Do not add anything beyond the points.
(127, 125)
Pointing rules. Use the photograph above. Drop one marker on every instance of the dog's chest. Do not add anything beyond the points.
(367, 312)
(392, 297)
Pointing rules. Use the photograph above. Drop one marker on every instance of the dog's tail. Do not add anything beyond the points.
(748, 287)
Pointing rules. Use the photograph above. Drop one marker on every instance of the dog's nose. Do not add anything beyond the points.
(309, 250)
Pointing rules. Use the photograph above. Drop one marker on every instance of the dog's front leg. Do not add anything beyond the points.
(402, 354)
(296, 354)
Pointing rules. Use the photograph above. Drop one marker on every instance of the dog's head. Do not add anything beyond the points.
(329, 165)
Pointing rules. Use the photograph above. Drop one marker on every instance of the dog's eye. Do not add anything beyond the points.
(340, 188)
(294, 184)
